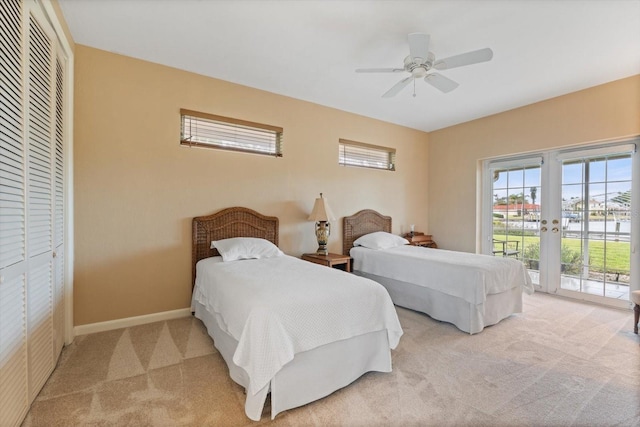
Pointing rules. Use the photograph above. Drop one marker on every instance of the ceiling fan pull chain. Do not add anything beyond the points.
(414, 88)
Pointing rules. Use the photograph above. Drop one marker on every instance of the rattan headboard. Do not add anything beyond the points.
(227, 223)
(364, 222)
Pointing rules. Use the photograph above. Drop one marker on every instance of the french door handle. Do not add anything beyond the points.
(554, 229)
(543, 229)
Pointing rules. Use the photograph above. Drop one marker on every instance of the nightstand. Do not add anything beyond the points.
(330, 260)
(421, 239)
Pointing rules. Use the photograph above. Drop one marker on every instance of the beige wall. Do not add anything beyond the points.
(136, 189)
(609, 111)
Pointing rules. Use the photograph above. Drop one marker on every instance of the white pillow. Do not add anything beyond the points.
(380, 240)
(245, 248)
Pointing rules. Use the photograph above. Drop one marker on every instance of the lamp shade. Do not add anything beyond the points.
(321, 211)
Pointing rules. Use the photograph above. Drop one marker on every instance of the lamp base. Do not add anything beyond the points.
(323, 230)
(322, 251)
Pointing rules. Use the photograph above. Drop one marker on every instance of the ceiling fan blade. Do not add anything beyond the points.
(379, 70)
(468, 58)
(419, 47)
(397, 87)
(441, 82)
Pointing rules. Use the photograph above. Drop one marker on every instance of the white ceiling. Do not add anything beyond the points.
(309, 49)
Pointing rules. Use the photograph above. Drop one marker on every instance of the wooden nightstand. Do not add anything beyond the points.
(421, 239)
(330, 260)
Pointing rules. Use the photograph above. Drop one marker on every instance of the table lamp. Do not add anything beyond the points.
(322, 214)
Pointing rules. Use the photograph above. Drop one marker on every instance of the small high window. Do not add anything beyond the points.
(211, 131)
(352, 153)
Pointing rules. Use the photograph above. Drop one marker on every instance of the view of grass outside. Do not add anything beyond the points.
(617, 258)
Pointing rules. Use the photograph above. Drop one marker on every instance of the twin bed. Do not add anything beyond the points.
(470, 291)
(300, 331)
(289, 327)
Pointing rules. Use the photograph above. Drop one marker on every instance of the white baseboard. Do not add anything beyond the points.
(130, 321)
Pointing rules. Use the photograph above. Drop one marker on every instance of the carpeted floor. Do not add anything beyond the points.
(561, 363)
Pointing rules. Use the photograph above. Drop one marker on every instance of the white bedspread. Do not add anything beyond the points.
(464, 275)
(281, 306)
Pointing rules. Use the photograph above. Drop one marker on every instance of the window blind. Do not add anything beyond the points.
(517, 163)
(352, 153)
(609, 151)
(211, 131)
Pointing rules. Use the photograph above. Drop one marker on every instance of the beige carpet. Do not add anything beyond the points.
(561, 363)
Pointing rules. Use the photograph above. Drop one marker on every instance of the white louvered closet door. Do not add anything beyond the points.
(14, 398)
(40, 144)
(58, 210)
(32, 210)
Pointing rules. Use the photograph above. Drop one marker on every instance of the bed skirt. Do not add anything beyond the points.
(311, 375)
(465, 316)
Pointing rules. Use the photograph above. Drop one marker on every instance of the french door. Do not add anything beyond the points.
(515, 211)
(571, 217)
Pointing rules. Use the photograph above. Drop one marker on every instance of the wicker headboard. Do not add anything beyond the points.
(364, 222)
(227, 223)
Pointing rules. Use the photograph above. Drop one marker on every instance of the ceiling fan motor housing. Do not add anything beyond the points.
(418, 67)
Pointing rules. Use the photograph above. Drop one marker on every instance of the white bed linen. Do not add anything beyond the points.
(470, 318)
(470, 277)
(281, 306)
(311, 375)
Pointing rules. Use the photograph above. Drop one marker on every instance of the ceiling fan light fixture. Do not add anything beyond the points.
(419, 72)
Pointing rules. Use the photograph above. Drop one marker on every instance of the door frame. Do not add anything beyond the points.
(66, 51)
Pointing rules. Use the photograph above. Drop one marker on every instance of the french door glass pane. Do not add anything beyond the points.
(596, 225)
(517, 193)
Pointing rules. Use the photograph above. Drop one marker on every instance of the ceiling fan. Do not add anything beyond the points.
(420, 61)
